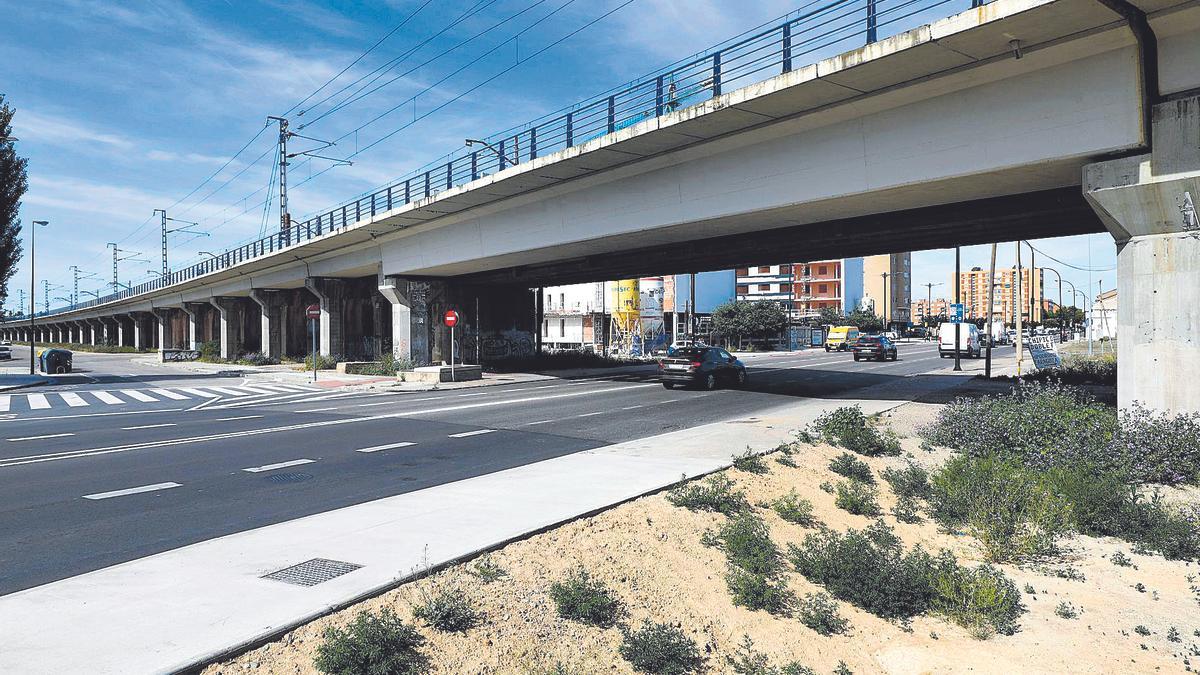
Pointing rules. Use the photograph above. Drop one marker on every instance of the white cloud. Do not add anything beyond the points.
(31, 126)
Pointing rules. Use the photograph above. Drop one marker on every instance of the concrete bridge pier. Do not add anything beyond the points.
(1150, 204)
(272, 326)
(162, 328)
(195, 313)
(230, 318)
(331, 293)
(93, 331)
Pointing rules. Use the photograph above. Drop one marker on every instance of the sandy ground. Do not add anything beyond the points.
(650, 553)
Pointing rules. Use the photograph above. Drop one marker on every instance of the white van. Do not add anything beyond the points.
(969, 345)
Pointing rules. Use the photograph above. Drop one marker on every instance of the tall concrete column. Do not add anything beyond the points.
(229, 314)
(395, 292)
(139, 326)
(162, 325)
(331, 293)
(195, 313)
(96, 331)
(273, 326)
(1149, 203)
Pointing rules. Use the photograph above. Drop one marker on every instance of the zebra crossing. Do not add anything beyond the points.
(76, 401)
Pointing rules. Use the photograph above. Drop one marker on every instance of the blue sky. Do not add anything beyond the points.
(124, 107)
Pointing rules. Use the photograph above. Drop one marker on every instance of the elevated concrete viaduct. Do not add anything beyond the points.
(1017, 119)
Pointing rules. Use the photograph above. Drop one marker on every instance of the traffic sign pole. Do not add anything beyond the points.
(450, 318)
(313, 312)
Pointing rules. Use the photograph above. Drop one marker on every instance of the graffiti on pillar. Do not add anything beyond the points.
(418, 296)
(508, 344)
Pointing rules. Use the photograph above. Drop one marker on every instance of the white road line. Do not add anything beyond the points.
(132, 491)
(389, 446)
(308, 410)
(149, 426)
(106, 397)
(5, 402)
(196, 392)
(534, 424)
(225, 392)
(169, 394)
(286, 387)
(478, 393)
(37, 401)
(281, 465)
(137, 395)
(368, 405)
(73, 400)
(38, 438)
(631, 407)
(129, 447)
(477, 432)
(234, 419)
(601, 412)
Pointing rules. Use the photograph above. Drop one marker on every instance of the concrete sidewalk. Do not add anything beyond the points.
(13, 380)
(194, 604)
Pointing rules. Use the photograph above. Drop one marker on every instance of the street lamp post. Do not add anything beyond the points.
(957, 301)
(33, 292)
(885, 276)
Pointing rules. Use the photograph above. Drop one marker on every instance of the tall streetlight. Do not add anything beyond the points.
(957, 301)
(929, 297)
(885, 276)
(1061, 336)
(33, 292)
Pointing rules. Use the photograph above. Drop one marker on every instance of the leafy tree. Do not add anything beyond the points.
(1072, 315)
(749, 320)
(865, 321)
(12, 187)
(828, 316)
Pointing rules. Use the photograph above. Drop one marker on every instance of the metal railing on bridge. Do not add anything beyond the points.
(817, 30)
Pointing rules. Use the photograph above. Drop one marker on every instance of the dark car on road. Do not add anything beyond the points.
(874, 347)
(704, 367)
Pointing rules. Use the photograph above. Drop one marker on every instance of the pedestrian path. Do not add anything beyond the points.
(103, 399)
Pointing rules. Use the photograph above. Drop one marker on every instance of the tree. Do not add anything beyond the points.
(1072, 315)
(749, 320)
(828, 316)
(865, 321)
(13, 184)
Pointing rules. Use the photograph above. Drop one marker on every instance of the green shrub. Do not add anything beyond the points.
(371, 645)
(843, 669)
(1011, 510)
(786, 460)
(661, 649)
(448, 610)
(852, 467)
(819, 612)
(1076, 369)
(323, 362)
(715, 493)
(849, 428)
(747, 543)
(981, 599)
(750, 462)
(487, 570)
(907, 510)
(210, 351)
(580, 598)
(857, 498)
(758, 591)
(1141, 630)
(794, 509)
(749, 661)
(911, 481)
(256, 359)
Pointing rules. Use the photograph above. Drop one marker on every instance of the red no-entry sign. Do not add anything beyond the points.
(313, 311)
(450, 318)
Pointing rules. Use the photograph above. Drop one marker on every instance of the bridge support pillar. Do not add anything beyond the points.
(195, 314)
(331, 292)
(1150, 203)
(229, 311)
(162, 327)
(395, 291)
(273, 325)
(139, 320)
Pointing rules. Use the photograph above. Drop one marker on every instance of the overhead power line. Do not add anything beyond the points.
(1067, 264)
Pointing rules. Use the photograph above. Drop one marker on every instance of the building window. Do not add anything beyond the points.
(742, 289)
(562, 328)
(764, 287)
(743, 272)
(822, 270)
(562, 300)
(764, 269)
(822, 288)
(785, 269)
(546, 328)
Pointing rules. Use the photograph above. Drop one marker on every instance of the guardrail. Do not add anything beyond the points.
(816, 28)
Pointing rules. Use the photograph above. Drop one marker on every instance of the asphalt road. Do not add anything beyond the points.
(94, 485)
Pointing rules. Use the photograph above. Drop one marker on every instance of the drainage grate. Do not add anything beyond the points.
(289, 477)
(312, 572)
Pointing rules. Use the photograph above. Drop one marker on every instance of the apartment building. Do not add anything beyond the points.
(923, 308)
(974, 290)
(809, 286)
(887, 285)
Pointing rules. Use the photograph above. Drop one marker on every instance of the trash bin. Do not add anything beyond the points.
(55, 361)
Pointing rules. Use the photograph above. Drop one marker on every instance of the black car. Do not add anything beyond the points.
(701, 366)
(874, 347)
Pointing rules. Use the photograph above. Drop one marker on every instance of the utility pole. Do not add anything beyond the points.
(33, 294)
(21, 300)
(1018, 305)
(284, 217)
(692, 305)
(165, 269)
(885, 297)
(991, 298)
(957, 301)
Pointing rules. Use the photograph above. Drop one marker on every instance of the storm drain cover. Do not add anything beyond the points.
(312, 572)
(289, 477)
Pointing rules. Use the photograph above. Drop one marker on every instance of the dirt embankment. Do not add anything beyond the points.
(650, 553)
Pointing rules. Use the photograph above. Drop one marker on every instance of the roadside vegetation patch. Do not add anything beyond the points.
(847, 427)
(857, 497)
(581, 598)
(819, 611)
(849, 466)
(448, 610)
(751, 462)
(661, 649)
(1100, 369)
(714, 493)
(794, 509)
(371, 644)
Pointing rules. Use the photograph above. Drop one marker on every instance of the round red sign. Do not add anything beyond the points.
(313, 311)
(451, 318)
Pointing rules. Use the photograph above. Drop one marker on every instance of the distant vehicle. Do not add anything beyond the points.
(5, 351)
(969, 344)
(5, 343)
(841, 338)
(874, 347)
(684, 344)
(705, 367)
(891, 335)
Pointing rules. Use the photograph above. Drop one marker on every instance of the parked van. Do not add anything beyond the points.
(969, 344)
(841, 338)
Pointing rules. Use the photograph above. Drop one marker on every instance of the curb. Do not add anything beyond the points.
(22, 386)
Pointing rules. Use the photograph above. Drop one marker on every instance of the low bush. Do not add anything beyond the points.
(849, 428)
(819, 612)
(387, 366)
(852, 467)
(794, 509)
(210, 351)
(323, 362)
(661, 649)
(370, 645)
(487, 570)
(871, 569)
(758, 591)
(786, 460)
(256, 359)
(911, 481)
(749, 661)
(856, 497)
(907, 510)
(1159, 447)
(1100, 369)
(715, 493)
(750, 462)
(747, 544)
(1014, 512)
(581, 598)
(448, 610)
